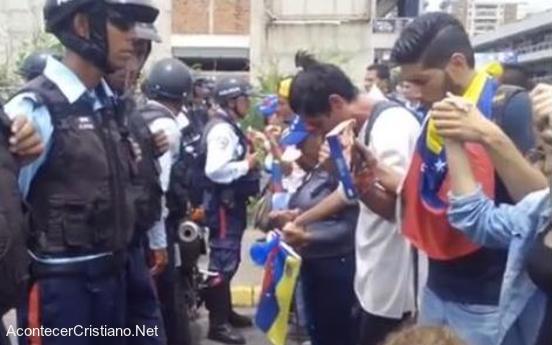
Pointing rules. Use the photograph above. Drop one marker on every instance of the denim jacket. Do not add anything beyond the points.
(522, 305)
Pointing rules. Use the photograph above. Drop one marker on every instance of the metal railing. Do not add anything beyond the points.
(535, 47)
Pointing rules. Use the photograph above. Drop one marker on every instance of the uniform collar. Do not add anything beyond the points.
(69, 83)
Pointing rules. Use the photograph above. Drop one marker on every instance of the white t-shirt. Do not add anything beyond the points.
(384, 281)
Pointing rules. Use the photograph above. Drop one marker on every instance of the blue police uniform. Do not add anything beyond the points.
(143, 307)
(84, 287)
(226, 203)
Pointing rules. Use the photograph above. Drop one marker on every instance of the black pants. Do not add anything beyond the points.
(143, 307)
(329, 299)
(375, 329)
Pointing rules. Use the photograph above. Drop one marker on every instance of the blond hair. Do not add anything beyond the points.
(424, 336)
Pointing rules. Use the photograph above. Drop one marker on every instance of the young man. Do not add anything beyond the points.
(463, 286)
(78, 189)
(324, 97)
(232, 171)
(168, 86)
(378, 75)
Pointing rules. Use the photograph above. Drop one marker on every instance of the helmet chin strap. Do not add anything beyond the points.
(95, 48)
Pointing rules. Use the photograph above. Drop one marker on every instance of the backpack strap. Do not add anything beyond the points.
(379, 108)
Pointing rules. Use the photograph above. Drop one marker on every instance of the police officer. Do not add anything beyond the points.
(78, 189)
(197, 109)
(232, 169)
(142, 301)
(168, 86)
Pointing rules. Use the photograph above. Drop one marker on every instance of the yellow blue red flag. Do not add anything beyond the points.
(282, 268)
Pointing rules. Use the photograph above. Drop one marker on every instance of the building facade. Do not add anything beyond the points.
(482, 16)
(212, 35)
(529, 41)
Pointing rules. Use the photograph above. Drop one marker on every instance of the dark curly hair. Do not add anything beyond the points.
(431, 39)
(315, 82)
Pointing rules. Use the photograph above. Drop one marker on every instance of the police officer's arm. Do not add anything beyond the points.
(25, 141)
(157, 236)
(221, 146)
(25, 104)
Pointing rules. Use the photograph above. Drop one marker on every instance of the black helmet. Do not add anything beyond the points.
(231, 88)
(169, 78)
(33, 65)
(95, 48)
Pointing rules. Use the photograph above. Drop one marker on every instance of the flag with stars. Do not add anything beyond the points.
(426, 185)
(280, 276)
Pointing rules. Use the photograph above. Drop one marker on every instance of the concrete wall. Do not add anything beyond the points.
(330, 28)
(19, 21)
(227, 17)
(164, 26)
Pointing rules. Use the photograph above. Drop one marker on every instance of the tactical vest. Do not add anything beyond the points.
(81, 200)
(246, 186)
(148, 187)
(175, 197)
(13, 251)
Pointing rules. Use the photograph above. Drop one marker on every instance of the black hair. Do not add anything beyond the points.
(382, 71)
(315, 83)
(518, 75)
(432, 39)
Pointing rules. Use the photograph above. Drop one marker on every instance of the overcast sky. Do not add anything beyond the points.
(533, 5)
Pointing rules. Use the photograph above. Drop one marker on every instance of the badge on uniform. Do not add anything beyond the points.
(223, 142)
(85, 123)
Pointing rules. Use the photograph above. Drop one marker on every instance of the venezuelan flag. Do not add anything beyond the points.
(426, 185)
(280, 276)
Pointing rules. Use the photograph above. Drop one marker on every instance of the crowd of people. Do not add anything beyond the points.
(433, 242)
(440, 236)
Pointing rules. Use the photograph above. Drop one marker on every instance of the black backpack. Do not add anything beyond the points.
(14, 258)
(501, 99)
(187, 180)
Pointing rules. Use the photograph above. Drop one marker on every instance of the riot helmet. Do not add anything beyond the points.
(169, 79)
(123, 14)
(34, 64)
(227, 89)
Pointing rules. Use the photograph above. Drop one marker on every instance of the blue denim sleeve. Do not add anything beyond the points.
(25, 104)
(495, 226)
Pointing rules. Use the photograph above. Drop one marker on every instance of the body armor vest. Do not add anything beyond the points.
(80, 199)
(149, 192)
(244, 187)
